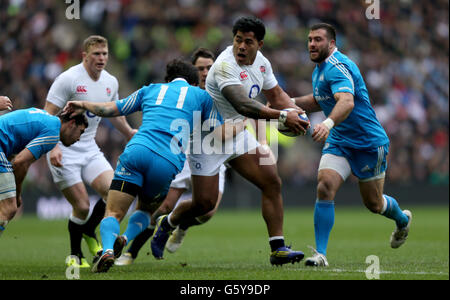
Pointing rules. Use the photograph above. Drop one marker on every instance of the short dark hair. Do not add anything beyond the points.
(201, 52)
(250, 24)
(178, 68)
(79, 119)
(331, 32)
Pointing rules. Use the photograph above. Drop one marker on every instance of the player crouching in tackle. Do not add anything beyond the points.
(29, 133)
(151, 159)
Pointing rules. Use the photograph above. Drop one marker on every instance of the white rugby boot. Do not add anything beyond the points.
(399, 235)
(317, 260)
(124, 260)
(175, 240)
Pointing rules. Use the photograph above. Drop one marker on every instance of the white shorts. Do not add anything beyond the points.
(184, 182)
(210, 164)
(183, 179)
(78, 167)
(336, 163)
(7, 185)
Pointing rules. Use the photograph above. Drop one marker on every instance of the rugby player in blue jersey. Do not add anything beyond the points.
(154, 155)
(355, 141)
(28, 134)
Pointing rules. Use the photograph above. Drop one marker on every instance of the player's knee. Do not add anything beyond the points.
(203, 207)
(164, 209)
(82, 210)
(206, 217)
(325, 190)
(118, 214)
(8, 214)
(373, 205)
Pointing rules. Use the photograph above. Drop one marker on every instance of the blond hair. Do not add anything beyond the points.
(94, 40)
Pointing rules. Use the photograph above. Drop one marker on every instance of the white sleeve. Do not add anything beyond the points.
(225, 74)
(269, 79)
(61, 91)
(115, 96)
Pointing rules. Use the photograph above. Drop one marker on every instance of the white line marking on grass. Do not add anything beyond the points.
(385, 272)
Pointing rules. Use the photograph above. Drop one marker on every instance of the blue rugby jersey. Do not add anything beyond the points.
(168, 116)
(361, 129)
(31, 128)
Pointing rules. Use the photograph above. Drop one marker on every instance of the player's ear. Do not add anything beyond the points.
(260, 43)
(332, 44)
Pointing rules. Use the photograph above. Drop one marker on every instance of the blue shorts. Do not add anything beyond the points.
(143, 167)
(364, 163)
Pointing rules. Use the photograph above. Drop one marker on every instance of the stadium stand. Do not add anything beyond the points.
(404, 60)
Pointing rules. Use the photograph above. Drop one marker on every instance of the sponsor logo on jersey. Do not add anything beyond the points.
(108, 91)
(81, 89)
(262, 69)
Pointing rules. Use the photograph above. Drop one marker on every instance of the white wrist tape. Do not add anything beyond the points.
(329, 123)
(283, 116)
(293, 100)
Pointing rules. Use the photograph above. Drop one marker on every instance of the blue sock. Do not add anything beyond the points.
(323, 223)
(137, 223)
(394, 212)
(109, 230)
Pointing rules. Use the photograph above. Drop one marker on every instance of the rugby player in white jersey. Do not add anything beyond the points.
(239, 75)
(83, 162)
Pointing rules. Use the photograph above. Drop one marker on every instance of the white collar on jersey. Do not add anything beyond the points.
(334, 51)
(179, 79)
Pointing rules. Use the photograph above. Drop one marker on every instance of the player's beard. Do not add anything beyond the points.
(322, 55)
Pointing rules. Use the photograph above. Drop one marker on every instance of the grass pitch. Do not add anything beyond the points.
(234, 246)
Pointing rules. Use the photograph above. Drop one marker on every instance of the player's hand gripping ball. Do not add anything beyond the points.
(285, 130)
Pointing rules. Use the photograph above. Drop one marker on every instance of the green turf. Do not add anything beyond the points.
(234, 246)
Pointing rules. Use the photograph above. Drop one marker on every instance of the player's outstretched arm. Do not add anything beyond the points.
(308, 103)
(236, 95)
(105, 109)
(278, 99)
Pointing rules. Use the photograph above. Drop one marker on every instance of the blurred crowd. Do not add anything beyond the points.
(403, 57)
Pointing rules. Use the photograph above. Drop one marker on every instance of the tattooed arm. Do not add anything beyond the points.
(247, 107)
(105, 109)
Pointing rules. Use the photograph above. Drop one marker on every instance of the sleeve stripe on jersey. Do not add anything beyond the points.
(43, 141)
(338, 65)
(129, 103)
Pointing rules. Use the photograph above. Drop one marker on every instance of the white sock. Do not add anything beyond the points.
(277, 237)
(77, 221)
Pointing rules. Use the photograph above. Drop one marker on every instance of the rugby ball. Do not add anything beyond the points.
(285, 130)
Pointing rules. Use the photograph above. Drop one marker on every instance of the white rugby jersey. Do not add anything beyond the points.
(76, 84)
(226, 71)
